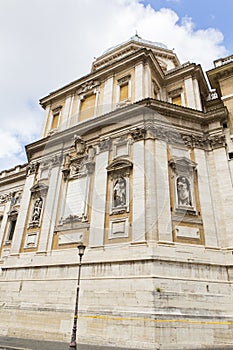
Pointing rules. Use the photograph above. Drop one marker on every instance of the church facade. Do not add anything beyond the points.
(135, 161)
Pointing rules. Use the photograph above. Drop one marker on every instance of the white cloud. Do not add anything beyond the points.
(46, 44)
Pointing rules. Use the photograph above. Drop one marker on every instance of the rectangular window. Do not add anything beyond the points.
(11, 230)
(55, 121)
(177, 100)
(87, 108)
(124, 92)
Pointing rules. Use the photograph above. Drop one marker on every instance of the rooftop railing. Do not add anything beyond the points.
(222, 61)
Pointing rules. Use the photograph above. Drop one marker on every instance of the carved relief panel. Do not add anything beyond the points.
(77, 169)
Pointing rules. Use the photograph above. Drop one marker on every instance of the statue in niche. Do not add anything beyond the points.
(119, 192)
(183, 191)
(79, 144)
(67, 161)
(37, 208)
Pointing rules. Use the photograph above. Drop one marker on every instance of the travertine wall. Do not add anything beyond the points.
(139, 300)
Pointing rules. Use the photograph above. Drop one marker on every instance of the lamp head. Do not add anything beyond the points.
(81, 249)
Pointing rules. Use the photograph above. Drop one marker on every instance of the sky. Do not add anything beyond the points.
(45, 44)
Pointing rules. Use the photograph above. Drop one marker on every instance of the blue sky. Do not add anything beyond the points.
(45, 44)
(204, 13)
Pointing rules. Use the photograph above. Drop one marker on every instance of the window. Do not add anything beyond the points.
(87, 108)
(176, 97)
(11, 229)
(12, 218)
(56, 113)
(55, 121)
(177, 100)
(124, 92)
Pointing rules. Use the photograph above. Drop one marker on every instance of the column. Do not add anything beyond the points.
(98, 204)
(163, 192)
(22, 216)
(108, 95)
(139, 209)
(50, 210)
(206, 200)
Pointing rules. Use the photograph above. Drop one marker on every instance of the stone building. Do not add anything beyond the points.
(134, 160)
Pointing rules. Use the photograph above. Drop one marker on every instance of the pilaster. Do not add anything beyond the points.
(224, 200)
(49, 215)
(151, 210)
(98, 204)
(65, 115)
(45, 121)
(22, 216)
(4, 221)
(206, 201)
(139, 82)
(163, 193)
(197, 95)
(107, 98)
(190, 96)
(139, 209)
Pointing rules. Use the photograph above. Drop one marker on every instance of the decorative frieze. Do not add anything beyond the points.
(80, 145)
(138, 134)
(193, 141)
(80, 160)
(217, 141)
(105, 145)
(6, 197)
(203, 141)
(88, 86)
(32, 168)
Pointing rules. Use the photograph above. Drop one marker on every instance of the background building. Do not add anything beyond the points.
(135, 160)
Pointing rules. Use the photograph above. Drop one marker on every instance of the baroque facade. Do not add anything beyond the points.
(134, 160)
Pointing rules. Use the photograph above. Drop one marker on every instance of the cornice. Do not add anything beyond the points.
(90, 128)
(217, 73)
(13, 176)
(132, 46)
(100, 74)
(185, 70)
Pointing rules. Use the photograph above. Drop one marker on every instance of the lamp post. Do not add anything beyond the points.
(73, 343)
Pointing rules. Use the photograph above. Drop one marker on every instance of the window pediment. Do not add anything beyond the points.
(182, 164)
(39, 189)
(119, 164)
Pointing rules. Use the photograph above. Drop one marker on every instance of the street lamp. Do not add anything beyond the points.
(73, 344)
